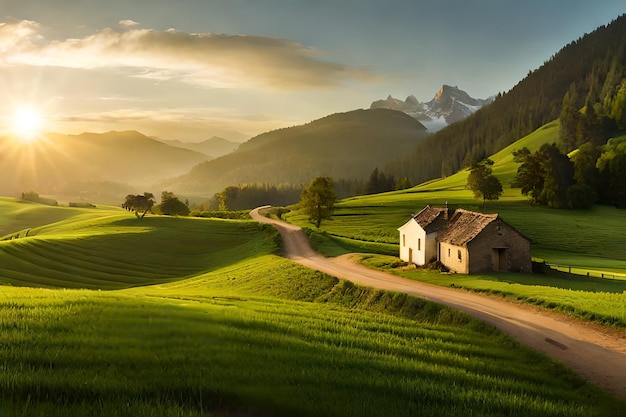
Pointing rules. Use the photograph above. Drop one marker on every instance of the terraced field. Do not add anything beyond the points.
(85, 252)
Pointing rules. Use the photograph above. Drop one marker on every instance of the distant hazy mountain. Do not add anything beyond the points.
(213, 147)
(449, 105)
(343, 145)
(51, 163)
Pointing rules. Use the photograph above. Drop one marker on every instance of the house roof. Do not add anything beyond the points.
(430, 219)
(464, 226)
(459, 227)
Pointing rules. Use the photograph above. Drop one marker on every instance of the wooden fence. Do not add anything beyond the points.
(576, 270)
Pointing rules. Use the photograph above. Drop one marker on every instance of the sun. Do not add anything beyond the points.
(27, 123)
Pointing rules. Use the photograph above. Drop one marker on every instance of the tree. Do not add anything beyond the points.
(491, 188)
(558, 172)
(618, 108)
(483, 183)
(529, 176)
(570, 119)
(546, 175)
(226, 197)
(612, 166)
(402, 184)
(139, 204)
(172, 206)
(318, 199)
(587, 176)
(379, 182)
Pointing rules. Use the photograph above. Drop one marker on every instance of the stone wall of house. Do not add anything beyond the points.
(499, 247)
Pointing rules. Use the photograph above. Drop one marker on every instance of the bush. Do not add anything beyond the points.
(82, 205)
(36, 198)
(219, 214)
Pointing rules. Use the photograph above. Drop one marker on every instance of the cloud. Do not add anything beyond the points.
(128, 23)
(215, 60)
(17, 37)
(180, 123)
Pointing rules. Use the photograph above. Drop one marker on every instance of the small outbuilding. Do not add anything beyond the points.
(464, 241)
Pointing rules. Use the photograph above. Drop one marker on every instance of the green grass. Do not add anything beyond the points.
(601, 300)
(241, 331)
(85, 252)
(582, 241)
(20, 215)
(268, 337)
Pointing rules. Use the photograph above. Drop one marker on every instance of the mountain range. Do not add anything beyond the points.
(212, 148)
(450, 104)
(347, 145)
(342, 145)
(73, 163)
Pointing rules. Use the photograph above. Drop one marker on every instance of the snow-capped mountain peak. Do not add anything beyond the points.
(450, 104)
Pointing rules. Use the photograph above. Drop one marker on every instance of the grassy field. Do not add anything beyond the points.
(19, 215)
(582, 241)
(231, 329)
(84, 251)
(601, 300)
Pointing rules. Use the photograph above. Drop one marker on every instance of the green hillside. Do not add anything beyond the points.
(375, 218)
(578, 241)
(227, 328)
(592, 68)
(344, 145)
(84, 251)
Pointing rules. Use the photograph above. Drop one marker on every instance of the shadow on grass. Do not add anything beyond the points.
(561, 280)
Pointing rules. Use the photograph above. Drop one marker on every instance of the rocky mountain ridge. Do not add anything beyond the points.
(450, 104)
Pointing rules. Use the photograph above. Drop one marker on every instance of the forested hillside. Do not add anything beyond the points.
(589, 70)
(344, 145)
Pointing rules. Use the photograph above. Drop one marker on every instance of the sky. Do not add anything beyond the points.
(192, 69)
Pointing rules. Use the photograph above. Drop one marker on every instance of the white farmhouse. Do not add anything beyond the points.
(418, 236)
(464, 241)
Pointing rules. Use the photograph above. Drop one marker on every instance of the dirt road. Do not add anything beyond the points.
(595, 353)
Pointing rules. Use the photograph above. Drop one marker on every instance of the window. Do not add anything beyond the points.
(419, 244)
(448, 252)
(459, 254)
(403, 239)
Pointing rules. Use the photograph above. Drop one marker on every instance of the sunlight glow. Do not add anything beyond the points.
(27, 123)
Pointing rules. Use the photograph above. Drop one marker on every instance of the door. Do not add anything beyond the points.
(498, 259)
(410, 255)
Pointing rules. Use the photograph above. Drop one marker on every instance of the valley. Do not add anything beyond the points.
(214, 320)
(267, 281)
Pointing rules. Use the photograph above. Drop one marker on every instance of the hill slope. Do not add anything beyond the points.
(594, 66)
(345, 145)
(243, 332)
(54, 160)
(213, 147)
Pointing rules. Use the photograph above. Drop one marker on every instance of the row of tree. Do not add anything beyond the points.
(248, 196)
